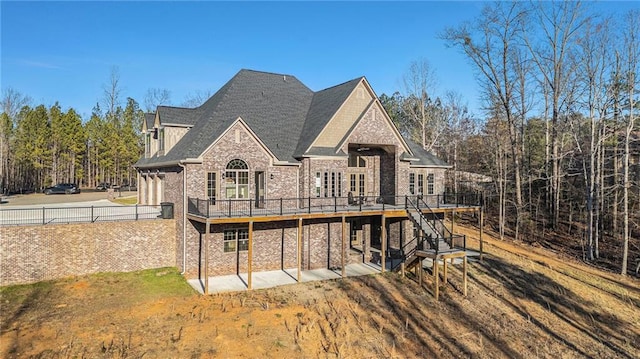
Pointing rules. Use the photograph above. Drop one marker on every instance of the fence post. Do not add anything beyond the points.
(335, 204)
(43, 221)
(92, 214)
(281, 206)
(250, 208)
(309, 207)
(229, 201)
(136, 211)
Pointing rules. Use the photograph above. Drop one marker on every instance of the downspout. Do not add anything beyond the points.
(184, 217)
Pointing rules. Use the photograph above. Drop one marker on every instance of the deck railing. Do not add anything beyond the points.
(80, 214)
(229, 208)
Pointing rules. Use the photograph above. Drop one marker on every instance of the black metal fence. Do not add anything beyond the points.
(212, 208)
(90, 214)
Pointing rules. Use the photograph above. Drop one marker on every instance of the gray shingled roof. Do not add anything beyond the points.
(285, 114)
(425, 157)
(149, 118)
(273, 106)
(324, 105)
(178, 115)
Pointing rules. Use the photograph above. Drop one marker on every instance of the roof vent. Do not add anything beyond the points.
(284, 78)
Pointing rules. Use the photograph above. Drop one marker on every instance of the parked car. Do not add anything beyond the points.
(103, 186)
(127, 187)
(62, 188)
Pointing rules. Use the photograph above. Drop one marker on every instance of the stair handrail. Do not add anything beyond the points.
(407, 254)
(446, 233)
(434, 241)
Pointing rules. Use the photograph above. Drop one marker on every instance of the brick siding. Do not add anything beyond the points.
(37, 253)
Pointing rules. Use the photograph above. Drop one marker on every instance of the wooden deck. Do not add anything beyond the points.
(251, 215)
(266, 215)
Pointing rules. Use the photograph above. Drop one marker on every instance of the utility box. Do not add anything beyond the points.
(166, 210)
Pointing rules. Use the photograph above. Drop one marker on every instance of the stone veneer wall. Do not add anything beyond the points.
(36, 253)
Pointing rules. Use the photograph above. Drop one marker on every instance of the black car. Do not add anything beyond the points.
(62, 188)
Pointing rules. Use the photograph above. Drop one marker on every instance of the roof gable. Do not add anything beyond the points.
(343, 119)
(240, 122)
(374, 117)
(149, 119)
(323, 107)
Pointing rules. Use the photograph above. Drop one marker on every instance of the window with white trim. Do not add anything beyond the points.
(318, 184)
(236, 181)
(412, 183)
(420, 183)
(161, 140)
(430, 183)
(212, 187)
(326, 184)
(147, 145)
(236, 240)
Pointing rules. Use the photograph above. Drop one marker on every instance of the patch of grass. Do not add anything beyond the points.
(146, 284)
(21, 292)
(125, 200)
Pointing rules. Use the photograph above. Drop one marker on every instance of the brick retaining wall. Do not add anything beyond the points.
(36, 253)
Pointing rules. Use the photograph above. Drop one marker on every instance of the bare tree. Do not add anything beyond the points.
(559, 23)
(459, 127)
(197, 98)
(593, 49)
(156, 97)
(631, 62)
(111, 92)
(492, 43)
(420, 107)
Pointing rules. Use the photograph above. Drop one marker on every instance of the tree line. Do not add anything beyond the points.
(559, 138)
(41, 146)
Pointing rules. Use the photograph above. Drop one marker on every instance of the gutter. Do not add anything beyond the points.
(184, 217)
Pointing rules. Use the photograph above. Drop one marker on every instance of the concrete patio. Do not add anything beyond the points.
(270, 279)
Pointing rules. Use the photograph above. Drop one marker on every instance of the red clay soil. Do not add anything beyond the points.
(523, 302)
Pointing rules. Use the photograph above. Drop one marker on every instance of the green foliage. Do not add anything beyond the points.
(45, 146)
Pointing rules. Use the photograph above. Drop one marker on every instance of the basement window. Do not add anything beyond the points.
(236, 240)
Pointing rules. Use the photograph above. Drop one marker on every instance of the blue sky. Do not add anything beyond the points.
(64, 51)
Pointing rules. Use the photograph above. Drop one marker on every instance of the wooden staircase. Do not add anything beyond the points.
(433, 241)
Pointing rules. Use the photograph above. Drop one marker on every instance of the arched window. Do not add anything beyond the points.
(237, 179)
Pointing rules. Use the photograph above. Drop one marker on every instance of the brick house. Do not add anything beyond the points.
(268, 174)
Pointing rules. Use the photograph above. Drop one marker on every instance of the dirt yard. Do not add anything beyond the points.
(523, 302)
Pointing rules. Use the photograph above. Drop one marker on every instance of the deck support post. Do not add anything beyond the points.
(481, 231)
(250, 256)
(444, 270)
(383, 245)
(402, 269)
(299, 250)
(453, 220)
(436, 278)
(344, 250)
(464, 275)
(206, 258)
(418, 271)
